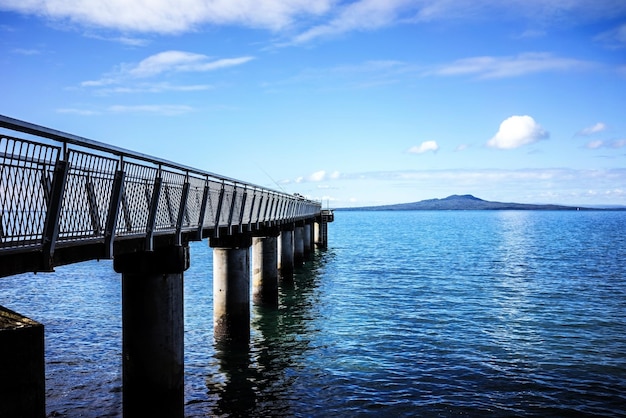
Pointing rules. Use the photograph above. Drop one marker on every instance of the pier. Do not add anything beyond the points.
(66, 199)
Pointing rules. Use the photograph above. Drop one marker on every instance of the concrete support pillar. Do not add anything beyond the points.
(265, 270)
(316, 232)
(153, 331)
(22, 366)
(307, 241)
(231, 288)
(321, 239)
(286, 261)
(298, 245)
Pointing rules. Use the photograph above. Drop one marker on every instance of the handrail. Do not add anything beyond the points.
(67, 138)
(77, 190)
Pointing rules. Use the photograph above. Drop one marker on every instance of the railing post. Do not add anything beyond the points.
(53, 213)
(203, 206)
(218, 212)
(251, 214)
(232, 209)
(242, 209)
(114, 206)
(181, 210)
(94, 212)
(154, 206)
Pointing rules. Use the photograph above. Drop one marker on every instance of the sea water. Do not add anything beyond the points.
(443, 313)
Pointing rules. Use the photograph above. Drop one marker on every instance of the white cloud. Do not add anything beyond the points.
(317, 17)
(516, 131)
(317, 176)
(509, 66)
(181, 61)
(598, 127)
(424, 147)
(171, 16)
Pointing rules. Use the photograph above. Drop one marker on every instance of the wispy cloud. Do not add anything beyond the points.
(78, 111)
(127, 76)
(594, 129)
(311, 19)
(181, 61)
(360, 15)
(542, 185)
(366, 15)
(158, 109)
(125, 40)
(599, 143)
(613, 38)
(167, 110)
(25, 51)
(486, 67)
(154, 88)
(172, 16)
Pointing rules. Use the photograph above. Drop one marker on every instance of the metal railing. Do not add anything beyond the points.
(60, 189)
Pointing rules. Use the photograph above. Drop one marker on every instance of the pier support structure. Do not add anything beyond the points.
(265, 269)
(321, 227)
(22, 386)
(231, 288)
(153, 331)
(298, 244)
(286, 260)
(307, 241)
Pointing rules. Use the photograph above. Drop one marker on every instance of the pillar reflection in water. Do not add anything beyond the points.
(259, 378)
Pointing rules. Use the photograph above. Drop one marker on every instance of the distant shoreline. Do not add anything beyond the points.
(469, 202)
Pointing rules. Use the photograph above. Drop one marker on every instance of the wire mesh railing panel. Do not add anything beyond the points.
(87, 195)
(265, 207)
(26, 170)
(191, 217)
(61, 187)
(227, 201)
(236, 204)
(169, 200)
(210, 216)
(246, 214)
(136, 198)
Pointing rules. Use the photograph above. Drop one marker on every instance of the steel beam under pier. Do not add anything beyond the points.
(153, 331)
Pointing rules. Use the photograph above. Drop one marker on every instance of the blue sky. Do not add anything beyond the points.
(354, 103)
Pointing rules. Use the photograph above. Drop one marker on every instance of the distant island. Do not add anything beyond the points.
(469, 202)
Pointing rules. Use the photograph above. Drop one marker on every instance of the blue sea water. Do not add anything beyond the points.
(477, 313)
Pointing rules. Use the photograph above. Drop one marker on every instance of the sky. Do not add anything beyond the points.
(351, 103)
